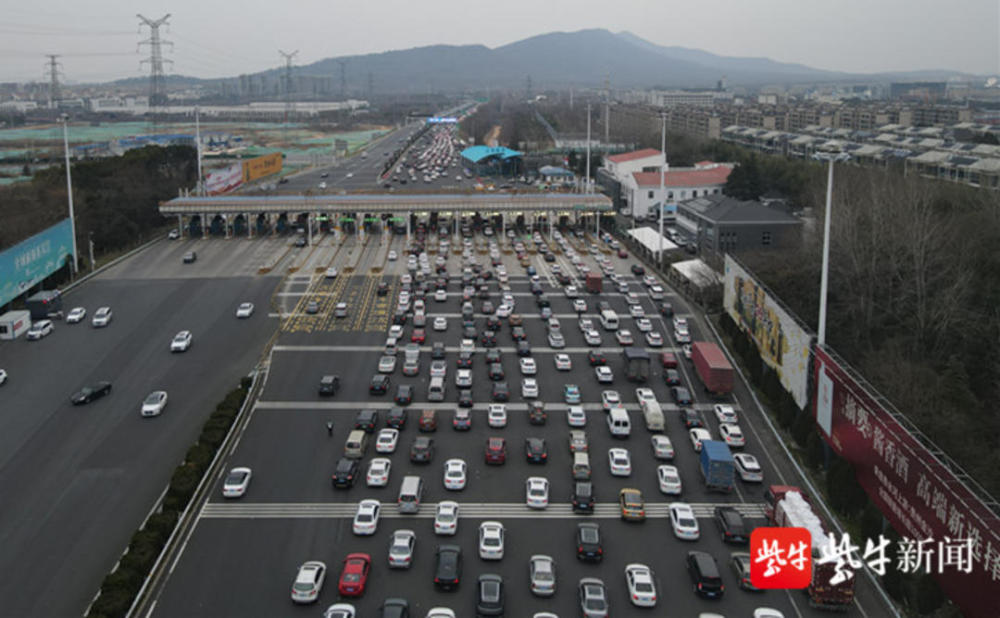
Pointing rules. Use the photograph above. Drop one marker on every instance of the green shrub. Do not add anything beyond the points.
(163, 523)
(200, 455)
(814, 450)
(213, 437)
(182, 485)
(113, 603)
(802, 427)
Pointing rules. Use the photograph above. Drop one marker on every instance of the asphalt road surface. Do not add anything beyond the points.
(251, 547)
(77, 481)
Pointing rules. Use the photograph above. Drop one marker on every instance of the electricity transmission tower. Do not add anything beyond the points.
(157, 96)
(343, 78)
(53, 68)
(288, 86)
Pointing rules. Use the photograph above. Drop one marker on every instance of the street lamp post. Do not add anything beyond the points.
(69, 187)
(825, 277)
(663, 151)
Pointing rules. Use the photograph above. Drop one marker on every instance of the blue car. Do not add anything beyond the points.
(571, 393)
(531, 271)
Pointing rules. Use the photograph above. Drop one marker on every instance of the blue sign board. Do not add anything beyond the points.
(441, 120)
(34, 259)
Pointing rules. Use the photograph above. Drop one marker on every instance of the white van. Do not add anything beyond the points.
(618, 422)
(581, 467)
(356, 445)
(435, 392)
(609, 320)
(652, 414)
(390, 346)
(411, 494)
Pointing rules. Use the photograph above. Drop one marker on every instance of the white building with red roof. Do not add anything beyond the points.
(623, 165)
(641, 189)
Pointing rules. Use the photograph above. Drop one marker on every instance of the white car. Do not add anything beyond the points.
(387, 364)
(491, 535)
(610, 399)
(378, 472)
(504, 311)
(496, 415)
(580, 305)
(245, 310)
(732, 435)
(440, 296)
(395, 331)
(440, 323)
(748, 468)
(181, 341)
(636, 311)
(604, 375)
(669, 479)
(154, 403)
(572, 291)
(556, 340)
(656, 292)
(697, 434)
(645, 394)
(439, 369)
(529, 388)
(454, 474)
(308, 582)
(536, 490)
(681, 335)
(3, 376)
(632, 298)
(592, 337)
(767, 612)
(662, 447)
(528, 367)
(331, 273)
(340, 610)
(467, 345)
(236, 483)
(643, 325)
(76, 315)
(641, 586)
(654, 339)
(102, 317)
(39, 329)
(624, 337)
(686, 349)
(619, 462)
(387, 440)
(463, 378)
(725, 413)
(576, 417)
(401, 549)
(392, 256)
(446, 518)
(679, 322)
(563, 362)
(366, 518)
(683, 521)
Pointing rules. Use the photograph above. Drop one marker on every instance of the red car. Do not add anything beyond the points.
(622, 254)
(496, 450)
(354, 575)
(669, 360)
(418, 335)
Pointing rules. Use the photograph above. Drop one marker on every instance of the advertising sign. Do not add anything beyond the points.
(258, 167)
(32, 260)
(223, 180)
(920, 496)
(782, 342)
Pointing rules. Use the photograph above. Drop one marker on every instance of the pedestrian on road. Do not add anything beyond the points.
(329, 428)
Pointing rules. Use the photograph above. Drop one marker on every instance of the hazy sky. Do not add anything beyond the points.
(98, 38)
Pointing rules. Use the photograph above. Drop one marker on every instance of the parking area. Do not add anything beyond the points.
(291, 512)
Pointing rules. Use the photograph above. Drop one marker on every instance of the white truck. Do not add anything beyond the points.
(652, 414)
(14, 323)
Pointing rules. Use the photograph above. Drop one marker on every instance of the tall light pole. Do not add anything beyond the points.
(663, 151)
(69, 187)
(825, 277)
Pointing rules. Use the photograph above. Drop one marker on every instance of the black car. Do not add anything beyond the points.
(404, 394)
(588, 542)
(596, 357)
(523, 348)
(501, 392)
(437, 350)
(672, 377)
(493, 323)
(536, 413)
(489, 600)
(680, 395)
(447, 566)
(394, 608)
(549, 257)
(563, 279)
(488, 339)
(731, 525)
(704, 574)
(90, 393)
(603, 305)
(379, 384)
(493, 355)
(496, 371)
(346, 473)
(366, 420)
(396, 418)
(517, 333)
(465, 399)
(666, 309)
(462, 421)
(536, 288)
(637, 270)
(488, 308)
(399, 318)
(534, 450)
(191, 256)
(484, 292)
(383, 288)
(464, 360)
(690, 418)
(583, 497)
(542, 301)
(469, 332)
(422, 450)
(328, 385)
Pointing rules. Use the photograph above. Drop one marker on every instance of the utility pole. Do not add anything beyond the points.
(343, 78)
(157, 96)
(587, 181)
(200, 187)
(69, 188)
(53, 80)
(371, 86)
(663, 172)
(570, 97)
(288, 86)
(607, 109)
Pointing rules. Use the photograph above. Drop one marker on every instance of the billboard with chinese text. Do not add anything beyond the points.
(223, 180)
(782, 342)
(258, 167)
(30, 261)
(920, 496)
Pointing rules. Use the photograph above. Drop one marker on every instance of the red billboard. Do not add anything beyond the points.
(920, 496)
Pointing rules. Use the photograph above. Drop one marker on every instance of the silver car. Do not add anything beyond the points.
(401, 549)
(439, 368)
(387, 364)
(542, 570)
(593, 598)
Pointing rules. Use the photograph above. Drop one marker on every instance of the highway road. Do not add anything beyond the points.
(77, 481)
(253, 546)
